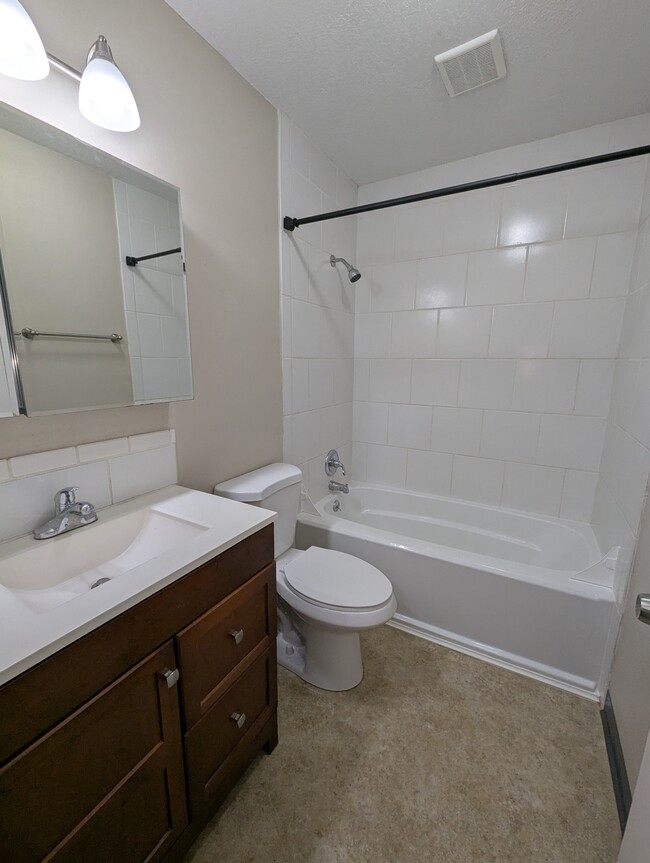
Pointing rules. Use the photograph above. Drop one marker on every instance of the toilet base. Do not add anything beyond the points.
(328, 658)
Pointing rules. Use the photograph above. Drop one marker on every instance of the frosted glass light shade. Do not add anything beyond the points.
(22, 54)
(106, 99)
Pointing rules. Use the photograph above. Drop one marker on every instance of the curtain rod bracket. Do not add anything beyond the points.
(290, 224)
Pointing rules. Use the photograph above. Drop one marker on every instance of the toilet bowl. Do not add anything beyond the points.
(325, 598)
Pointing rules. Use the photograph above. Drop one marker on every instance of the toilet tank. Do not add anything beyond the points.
(275, 487)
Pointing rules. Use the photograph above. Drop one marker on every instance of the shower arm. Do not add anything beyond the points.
(290, 224)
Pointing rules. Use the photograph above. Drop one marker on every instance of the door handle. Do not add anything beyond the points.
(643, 607)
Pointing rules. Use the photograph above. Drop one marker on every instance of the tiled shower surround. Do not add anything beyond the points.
(489, 331)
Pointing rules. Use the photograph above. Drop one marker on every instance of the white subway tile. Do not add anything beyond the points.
(322, 173)
(150, 335)
(40, 462)
(441, 282)
(548, 386)
(464, 333)
(376, 238)
(472, 221)
(477, 479)
(286, 386)
(533, 488)
(370, 422)
(639, 425)
(625, 378)
(509, 435)
(587, 328)
(533, 212)
(629, 476)
(102, 449)
(299, 384)
(418, 231)
(603, 200)
(137, 379)
(429, 472)
(299, 269)
(521, 331)
(4, 470)
(560, 271)
(435, 382)
(160, 377)
(578, 495)
(392, 286)
(409, 426)
(305, 329)
(372, 335)
(574, 145)
(496, 276)
(593, 395)
(390, 381)
(456, 430)
(613, 265)
(571, 441)
(150, 440)
(629, 132)
(299, 150)
(321, 383)
(386, 465)
(361, 380)
(486, 383)
(414, 333)
(175, 337)
(306, 431)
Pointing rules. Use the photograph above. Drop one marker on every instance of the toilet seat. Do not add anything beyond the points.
(336, 580)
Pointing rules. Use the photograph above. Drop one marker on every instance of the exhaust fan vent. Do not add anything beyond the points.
(473, 64)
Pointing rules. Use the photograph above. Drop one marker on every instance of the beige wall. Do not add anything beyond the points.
(207, 131)
(629, 684)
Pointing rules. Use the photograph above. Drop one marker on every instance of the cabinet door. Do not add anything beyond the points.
(106, 784)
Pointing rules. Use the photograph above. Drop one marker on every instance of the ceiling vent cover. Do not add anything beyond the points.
(473, 64)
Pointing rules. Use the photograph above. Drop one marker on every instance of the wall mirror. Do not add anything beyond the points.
(92, 279)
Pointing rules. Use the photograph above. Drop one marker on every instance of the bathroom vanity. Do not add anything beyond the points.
(122, 744)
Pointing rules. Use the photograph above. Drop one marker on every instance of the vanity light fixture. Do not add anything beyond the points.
(105, 97)
(22, 54)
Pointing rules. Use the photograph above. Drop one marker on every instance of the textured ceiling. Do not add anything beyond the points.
(358, 75)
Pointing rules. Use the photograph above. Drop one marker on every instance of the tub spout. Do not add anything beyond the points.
(337, 487)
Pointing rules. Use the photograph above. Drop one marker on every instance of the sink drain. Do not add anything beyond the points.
(98, 582)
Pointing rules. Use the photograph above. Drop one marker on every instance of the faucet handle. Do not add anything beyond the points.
(65, 497)
(332, 463)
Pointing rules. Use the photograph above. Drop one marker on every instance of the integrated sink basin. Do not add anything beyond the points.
(134, 550)
(58, 570)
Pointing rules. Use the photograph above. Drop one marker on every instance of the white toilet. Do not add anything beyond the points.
(325, 598)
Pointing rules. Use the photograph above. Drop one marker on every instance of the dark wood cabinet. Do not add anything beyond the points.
(105, 771)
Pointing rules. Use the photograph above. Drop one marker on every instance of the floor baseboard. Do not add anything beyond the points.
(620, 781)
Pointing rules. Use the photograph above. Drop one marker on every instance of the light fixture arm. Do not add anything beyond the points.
(64, 68)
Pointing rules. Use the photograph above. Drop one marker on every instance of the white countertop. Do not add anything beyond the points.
(28, 636)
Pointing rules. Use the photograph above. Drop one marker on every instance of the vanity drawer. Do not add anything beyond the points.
(238, 715)
(217, 646)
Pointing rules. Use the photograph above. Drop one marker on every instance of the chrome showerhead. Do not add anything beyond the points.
(353, 274)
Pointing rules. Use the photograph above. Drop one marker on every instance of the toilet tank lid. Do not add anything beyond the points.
(259, 483)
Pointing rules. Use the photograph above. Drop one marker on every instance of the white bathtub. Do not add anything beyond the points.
(527, 592)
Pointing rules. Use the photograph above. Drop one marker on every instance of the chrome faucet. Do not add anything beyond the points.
(69, 514)
(337, 487)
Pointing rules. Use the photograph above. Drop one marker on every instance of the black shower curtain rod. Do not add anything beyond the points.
(291, 224)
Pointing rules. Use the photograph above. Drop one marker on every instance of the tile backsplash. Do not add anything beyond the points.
(106, 472)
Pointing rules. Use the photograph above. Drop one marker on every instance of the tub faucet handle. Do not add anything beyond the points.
(333, 463)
